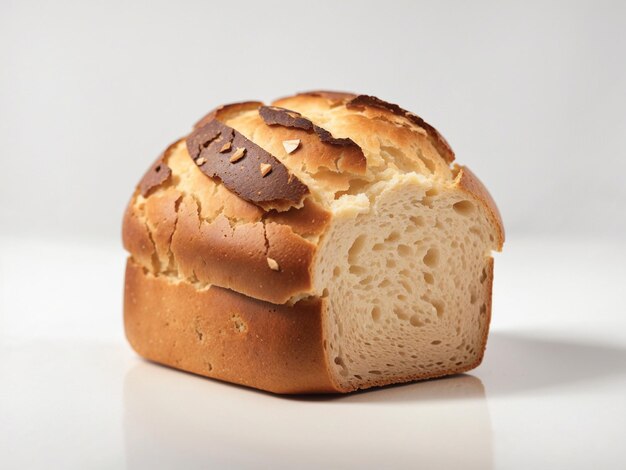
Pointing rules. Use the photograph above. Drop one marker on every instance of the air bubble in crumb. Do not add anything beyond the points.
(356, 248)
(417, 220)
(376, 314)
(392, 237)
(465, 208)
(439, 307)
(404, 251)
(431, 258)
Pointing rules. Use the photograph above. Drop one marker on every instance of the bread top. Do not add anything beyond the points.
(243, 201)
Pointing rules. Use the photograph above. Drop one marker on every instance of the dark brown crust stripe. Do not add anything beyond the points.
(158, 173)
(438, 141)
(328, 138)
(274, 115)
(243, 176)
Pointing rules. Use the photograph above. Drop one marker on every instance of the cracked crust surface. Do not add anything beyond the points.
(224, 153)
(196, 230)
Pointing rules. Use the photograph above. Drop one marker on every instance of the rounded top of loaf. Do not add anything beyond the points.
(244, 200)
(319, 144)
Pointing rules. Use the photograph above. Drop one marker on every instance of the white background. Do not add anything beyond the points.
(532, 97)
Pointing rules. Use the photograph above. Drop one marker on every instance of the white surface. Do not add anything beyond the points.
(551, 392)
(530, 94)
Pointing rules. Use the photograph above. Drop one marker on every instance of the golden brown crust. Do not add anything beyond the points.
(438, 140)
(235, 208)
(137, 240)
(467, 181)
(225, 335)
(337, 154)
(334, 96)
(312, 154)
(226, 242)
(161, 213)
(309, 220)
(235, 257)
(375, 130)
(322, 98)
(212, 196)
(376, 109)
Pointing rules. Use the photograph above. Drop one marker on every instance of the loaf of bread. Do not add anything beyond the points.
(325, 243)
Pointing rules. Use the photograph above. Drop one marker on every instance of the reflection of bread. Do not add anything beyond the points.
(188, 423)
(324, 247)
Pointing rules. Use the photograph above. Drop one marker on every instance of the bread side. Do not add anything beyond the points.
(221, 334)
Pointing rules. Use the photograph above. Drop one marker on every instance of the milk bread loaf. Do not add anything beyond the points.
(324, 243)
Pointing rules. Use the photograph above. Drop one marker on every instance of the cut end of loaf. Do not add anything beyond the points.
(408, 283)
